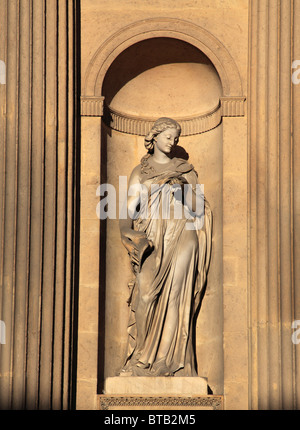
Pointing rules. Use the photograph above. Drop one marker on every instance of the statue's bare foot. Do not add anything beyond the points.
(124, 372)
(160, 368)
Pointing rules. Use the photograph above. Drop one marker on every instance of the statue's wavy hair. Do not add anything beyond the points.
(159, 126)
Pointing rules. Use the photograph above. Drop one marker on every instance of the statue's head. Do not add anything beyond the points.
(159, 126)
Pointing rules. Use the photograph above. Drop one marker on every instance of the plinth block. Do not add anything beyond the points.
(158, 393)
(184, 386)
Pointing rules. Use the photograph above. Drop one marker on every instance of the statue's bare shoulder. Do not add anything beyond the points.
(136, 174)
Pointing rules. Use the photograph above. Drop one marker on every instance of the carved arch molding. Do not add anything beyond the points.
(231, 104)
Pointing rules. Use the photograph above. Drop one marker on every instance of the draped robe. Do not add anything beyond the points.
(169, 238)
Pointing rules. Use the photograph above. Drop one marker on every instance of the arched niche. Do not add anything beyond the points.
(162, 27)
(160, 76)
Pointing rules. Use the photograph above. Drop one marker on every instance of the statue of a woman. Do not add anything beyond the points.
(169, 255)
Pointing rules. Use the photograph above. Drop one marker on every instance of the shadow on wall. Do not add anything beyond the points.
(146, 55)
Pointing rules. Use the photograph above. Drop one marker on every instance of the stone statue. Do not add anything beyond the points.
(169, 255)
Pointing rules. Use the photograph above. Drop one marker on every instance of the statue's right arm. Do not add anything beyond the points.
(133, 200)
(134, 241)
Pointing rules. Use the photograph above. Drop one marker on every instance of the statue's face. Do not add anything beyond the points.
(166, 140)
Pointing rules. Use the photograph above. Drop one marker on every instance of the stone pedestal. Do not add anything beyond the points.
(157, 386)
(146, 393)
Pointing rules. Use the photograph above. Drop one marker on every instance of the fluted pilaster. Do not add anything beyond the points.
(296, 191)
(37, 167)
(272, 150)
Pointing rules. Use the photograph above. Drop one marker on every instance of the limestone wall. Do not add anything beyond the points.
(59, 65)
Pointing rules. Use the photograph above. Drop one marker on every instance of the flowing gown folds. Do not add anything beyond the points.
(180, 251)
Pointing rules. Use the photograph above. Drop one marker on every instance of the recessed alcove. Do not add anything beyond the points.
(153, 78)
(159, 77)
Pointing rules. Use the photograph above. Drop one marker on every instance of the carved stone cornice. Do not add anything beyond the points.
(141, 126)
(91, 106)
(232, 106)
(131, 124)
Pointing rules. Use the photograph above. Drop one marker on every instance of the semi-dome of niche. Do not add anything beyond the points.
(162, 77)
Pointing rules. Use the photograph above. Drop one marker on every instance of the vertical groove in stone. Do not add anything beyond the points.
(296, 188)
(262, 302)
(10, 201)
(62, 128)
(49, 222)
(272, 145)
(23, 197)
(3, 36)
(75, 58)
(69, 203)
(253, 371)
(36, 203)
(285, 219)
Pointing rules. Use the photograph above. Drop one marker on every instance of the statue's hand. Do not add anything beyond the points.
(136, 243)
(178, 190)
(180, 180)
